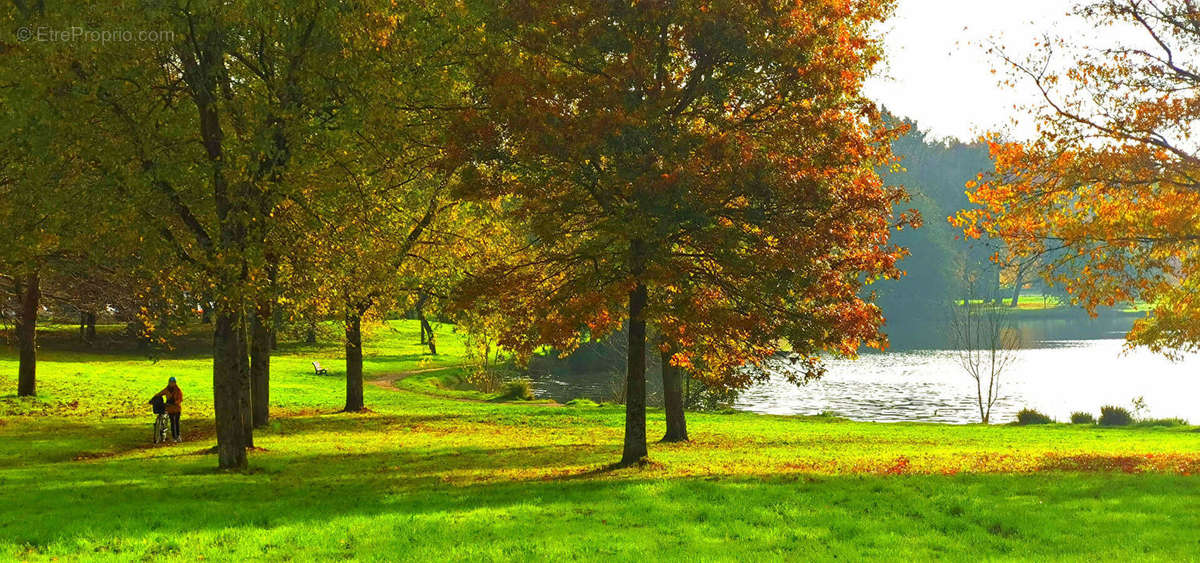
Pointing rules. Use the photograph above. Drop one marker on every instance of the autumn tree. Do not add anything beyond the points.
(29, 215)
(366, 256)
(201, 132)
(51, 226)
(1106, 196)
(706, 167)
(380, 206)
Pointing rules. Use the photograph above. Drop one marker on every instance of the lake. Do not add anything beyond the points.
(1067, 365)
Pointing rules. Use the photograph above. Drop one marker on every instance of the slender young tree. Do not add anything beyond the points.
(376, 251)
(382, 198)
(985, 344)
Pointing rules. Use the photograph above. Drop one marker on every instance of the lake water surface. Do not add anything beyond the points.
(929, 385)
(1066, 366)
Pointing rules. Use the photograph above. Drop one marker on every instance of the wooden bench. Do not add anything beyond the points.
(318, 369)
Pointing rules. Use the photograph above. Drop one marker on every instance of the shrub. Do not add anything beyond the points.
(452, 381)
(486, 380)
(1162, 422)
(1082, 418)
(516, 390)
(583, 403)
(617, 389)
(827, 416)
(490, 378)
(1115, 416)
(1030, 416)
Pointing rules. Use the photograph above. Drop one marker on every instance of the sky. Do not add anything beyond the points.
(939, 73)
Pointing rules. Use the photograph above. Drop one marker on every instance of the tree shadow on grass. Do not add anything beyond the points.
(341, 422)
(34, 440)
(53, 439)
(404, 497)
(459, 495)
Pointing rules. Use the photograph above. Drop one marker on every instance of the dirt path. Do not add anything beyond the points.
(388, 380)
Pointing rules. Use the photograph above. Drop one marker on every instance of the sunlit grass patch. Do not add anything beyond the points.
(438, 471)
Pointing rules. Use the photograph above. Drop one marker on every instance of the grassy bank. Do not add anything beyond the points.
(1037, 306)
(436, 472)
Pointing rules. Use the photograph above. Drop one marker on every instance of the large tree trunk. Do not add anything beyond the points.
(87, 326)
(673, 400)
(635, 373)
(260, 363)
(276, 322)
(420, 308)
(354, 364)
(90, 327)
(997, 298)
(229, 383)
(1016, 294)
(274, 312)
(204, 75)
(310, 333)
(247, 395)
(427, 336)
(31, 295)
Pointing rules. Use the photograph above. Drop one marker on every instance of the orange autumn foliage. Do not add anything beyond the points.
(1109, 192)
(725, 143)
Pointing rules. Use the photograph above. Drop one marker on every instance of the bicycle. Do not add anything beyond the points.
(162, 423)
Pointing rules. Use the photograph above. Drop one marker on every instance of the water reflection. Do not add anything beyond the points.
(560, 380)
(1036, 332)
(928, 385)
(1069, 364)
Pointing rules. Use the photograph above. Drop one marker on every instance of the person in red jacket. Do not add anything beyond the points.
(174, 398)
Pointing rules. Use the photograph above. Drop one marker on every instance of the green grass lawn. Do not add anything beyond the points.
(438, 472)
(1038, 302)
